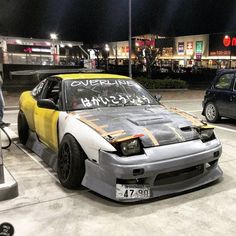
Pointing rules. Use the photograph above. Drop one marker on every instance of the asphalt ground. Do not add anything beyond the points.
(44, 207)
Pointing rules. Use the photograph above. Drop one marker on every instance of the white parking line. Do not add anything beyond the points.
(31, 156)
(35, 160)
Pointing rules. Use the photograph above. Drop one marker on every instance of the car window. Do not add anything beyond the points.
(38, 89)
(52, 91)
(224, 82)
(93, 93)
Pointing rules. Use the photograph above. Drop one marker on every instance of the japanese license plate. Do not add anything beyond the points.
(128, 191)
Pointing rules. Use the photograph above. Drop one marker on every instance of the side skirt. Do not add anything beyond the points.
(45, 153)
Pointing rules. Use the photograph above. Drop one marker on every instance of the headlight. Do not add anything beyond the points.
(207, 134)
(130, 147)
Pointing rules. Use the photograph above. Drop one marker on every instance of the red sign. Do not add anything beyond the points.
(150, 43)
(142, 43)
(227, 41)
(29, 50)
(198, 56)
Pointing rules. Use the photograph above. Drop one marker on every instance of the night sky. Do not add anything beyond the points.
(94, 21)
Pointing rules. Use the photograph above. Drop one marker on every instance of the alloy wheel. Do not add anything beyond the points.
(65, 161)
(211, 112)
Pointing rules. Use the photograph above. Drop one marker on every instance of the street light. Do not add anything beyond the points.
(107, 49)
(53, 36)
(130, 32)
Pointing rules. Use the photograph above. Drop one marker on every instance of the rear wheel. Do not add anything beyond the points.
(71, 163)
(211, 112)
(23, 128)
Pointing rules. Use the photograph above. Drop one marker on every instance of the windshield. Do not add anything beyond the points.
(93, 93)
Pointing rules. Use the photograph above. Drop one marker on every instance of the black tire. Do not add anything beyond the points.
(211, 112)
(23, 128)
(71, 163)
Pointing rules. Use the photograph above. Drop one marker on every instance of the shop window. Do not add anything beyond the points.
(224, 82)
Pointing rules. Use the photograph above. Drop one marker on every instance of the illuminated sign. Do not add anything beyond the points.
(142, 43)
(199, 46)
(189, 49)
(227, 41)
(180, 47)
(222, 45)
(30, 50)
(198, 56)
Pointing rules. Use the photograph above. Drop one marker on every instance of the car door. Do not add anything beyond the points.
(223, 93)
(233, 98)
(46, 119)
(28, 101)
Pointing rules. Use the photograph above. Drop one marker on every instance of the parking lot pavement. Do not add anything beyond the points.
(44, 207)
(181, 94)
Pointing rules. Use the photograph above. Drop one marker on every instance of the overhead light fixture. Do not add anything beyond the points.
(107, 48)
(53, 36)
(62, 45)
(70, 45)
(18, 41)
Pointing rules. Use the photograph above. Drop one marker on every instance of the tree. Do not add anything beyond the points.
(146, 56)
(150, 56)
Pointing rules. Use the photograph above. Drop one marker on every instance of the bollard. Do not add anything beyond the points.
(8, 185)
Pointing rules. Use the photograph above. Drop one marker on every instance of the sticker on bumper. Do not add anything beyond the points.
(128, 191)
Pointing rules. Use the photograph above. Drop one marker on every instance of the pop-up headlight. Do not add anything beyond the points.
(206, 134)
(130, 147)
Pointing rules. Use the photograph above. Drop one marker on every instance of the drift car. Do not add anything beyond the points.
(106, 132)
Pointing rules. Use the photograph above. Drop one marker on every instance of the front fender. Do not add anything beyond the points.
(89, 139)
(27, 105)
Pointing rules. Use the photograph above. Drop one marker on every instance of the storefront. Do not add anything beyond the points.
(165, 47)
(209, 51)
(38, 51)
(191, 50)
(119, 51)
(222, 50)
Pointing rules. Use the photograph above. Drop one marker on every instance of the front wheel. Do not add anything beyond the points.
(211, 112)
(71, 162)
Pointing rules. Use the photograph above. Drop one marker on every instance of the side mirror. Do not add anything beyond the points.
(158, 97)
(47, 103)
